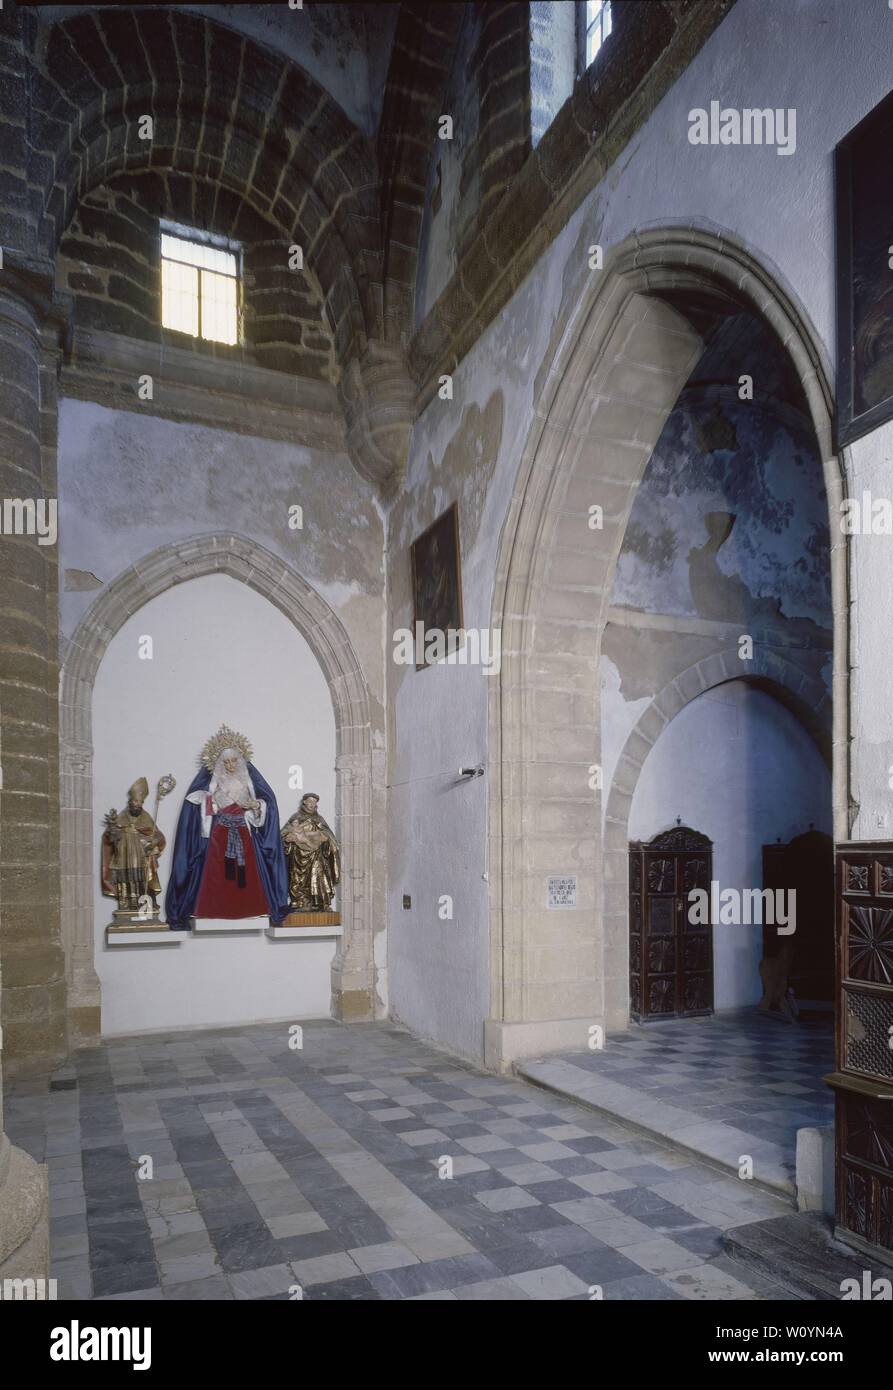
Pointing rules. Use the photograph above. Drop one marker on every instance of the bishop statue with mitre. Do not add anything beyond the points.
(228, 859)
(131, 844)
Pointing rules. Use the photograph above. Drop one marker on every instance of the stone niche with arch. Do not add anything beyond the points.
(353, 986)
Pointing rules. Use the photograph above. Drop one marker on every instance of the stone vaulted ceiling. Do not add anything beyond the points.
(248, 124)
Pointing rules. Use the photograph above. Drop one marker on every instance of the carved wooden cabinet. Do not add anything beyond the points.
(670, 955)
(863, 1082)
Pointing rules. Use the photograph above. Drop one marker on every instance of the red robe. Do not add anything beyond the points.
(221, 894)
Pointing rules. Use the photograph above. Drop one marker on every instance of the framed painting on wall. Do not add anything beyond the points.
(865, 275)
(437, 583)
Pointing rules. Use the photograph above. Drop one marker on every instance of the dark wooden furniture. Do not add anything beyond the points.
(863, 1082)
(805, 865)
(670, 957)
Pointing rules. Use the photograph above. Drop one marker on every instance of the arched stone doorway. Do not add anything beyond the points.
(741, 810)
(804, 698)
(625, 354)
(359, 784)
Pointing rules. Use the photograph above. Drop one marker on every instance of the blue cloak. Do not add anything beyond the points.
(191, 848)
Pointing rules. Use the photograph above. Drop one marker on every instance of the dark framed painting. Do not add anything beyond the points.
(864, 275)
(437, 582)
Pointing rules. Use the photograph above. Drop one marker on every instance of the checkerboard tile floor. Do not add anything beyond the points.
(224, 1165)
(759, 1076)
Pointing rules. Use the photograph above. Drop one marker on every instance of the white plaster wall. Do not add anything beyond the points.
(619, 718)
(871, 593)
(221, 654)
(782, 209)
(736, 765)
(438, 981)
(437, 842)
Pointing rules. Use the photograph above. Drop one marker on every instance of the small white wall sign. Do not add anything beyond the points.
(562, 891)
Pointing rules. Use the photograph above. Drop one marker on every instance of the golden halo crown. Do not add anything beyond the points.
(225, 737)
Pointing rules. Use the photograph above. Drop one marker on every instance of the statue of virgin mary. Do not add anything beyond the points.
(228, 860)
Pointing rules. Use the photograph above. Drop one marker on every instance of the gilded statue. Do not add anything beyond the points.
(313, 858)
(131, 846)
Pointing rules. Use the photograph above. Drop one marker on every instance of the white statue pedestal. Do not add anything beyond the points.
(151, 932)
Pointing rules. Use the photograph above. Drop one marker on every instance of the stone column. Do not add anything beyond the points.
(30, 955)
(32, 1004)
(24, 1218)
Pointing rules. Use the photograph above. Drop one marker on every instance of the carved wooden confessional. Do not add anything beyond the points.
(863, 1082)
(670, 955)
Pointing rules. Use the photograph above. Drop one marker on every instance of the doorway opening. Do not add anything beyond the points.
(803, 978)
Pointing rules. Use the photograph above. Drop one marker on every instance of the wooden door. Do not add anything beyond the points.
(670, 955)
(805, 866)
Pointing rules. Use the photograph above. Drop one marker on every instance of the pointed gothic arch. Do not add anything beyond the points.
(358, 774)
(626, 350)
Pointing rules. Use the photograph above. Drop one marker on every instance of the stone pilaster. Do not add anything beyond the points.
(27, 628)
(353, 995)
(32, 1004)
(78, 870)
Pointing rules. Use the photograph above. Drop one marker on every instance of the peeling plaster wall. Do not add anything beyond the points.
(781, 209)
(772, 566)
(620, 712)
(453, 192)
(737, 766)
(129, 483)
(728, 536)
